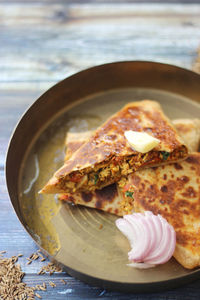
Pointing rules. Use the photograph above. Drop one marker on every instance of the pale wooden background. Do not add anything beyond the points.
(42, 42)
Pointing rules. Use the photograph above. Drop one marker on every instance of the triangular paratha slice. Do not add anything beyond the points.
(107, 157)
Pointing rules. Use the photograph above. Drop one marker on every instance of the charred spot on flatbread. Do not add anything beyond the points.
(107, 194)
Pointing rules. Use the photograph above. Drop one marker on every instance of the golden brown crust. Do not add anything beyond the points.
(188, 129)
(74, 141)
(108, 143)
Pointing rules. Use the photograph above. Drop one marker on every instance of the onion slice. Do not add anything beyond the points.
(152, 239)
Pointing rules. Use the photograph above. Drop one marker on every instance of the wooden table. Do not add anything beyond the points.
(42, 42)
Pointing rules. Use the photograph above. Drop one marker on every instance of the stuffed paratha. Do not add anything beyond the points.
(107, 158)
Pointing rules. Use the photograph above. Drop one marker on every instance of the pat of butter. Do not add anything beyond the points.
(141, 141)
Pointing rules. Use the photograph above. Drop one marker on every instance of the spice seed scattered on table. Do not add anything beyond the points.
(11, 275)
(11, 285)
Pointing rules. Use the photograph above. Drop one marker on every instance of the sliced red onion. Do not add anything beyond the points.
(141, 265)
(151, 237)
(141, 228)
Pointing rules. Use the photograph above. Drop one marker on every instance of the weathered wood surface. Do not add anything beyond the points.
(42, 42)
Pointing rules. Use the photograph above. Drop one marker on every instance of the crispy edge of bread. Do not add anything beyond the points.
(189, 262)
(189, 128)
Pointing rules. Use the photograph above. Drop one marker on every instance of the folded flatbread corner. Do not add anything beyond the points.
(107, 157)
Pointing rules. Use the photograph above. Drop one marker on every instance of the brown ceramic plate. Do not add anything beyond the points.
(85, 241)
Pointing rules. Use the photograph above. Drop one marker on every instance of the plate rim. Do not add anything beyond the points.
(108, 284)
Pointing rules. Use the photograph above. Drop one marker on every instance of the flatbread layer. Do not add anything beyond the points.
(107, 157)
(173, 191)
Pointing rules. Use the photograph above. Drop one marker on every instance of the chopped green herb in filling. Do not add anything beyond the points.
(129, 194)
(96, 177)
(165, 155)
